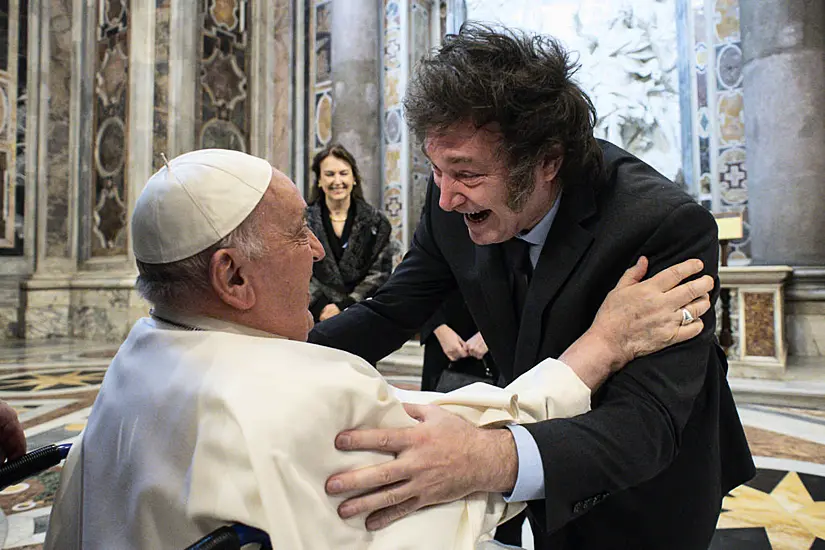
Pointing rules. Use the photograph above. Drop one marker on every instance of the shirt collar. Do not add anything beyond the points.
(187, 321)
(538, 234)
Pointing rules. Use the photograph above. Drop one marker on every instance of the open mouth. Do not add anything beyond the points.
(477, 217)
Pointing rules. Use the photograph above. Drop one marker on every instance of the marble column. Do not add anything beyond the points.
(183, 81)
(282, 52)
(783, 43)
(270, 82)
(141, 100)
(355, 77)
(57, 197)
(160, 123)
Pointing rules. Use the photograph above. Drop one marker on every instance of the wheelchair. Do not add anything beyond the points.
(229, 537)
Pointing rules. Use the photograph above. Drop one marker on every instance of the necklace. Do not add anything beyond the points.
(338, 219)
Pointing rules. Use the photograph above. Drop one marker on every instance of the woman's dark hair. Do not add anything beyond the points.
(519, 84)
(340, 152)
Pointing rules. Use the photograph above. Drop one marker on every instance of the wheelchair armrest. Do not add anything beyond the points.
(232, 537)
(32, 463)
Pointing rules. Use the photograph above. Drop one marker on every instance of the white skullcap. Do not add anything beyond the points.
(195, 201)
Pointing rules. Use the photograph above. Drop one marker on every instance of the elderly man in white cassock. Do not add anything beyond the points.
(215, 409)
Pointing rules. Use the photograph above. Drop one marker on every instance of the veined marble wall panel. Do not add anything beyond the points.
(160, 119)
(111, 98)
(223, 108)
(46, 313)
(57, 141)
(394, 83)
(282, 134)
(99, 308)
(101, 315)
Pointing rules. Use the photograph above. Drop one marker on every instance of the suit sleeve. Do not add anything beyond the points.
(635, 431)
(374, 328)
(428, 328)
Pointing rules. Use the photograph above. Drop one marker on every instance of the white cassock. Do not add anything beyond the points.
(192, 430)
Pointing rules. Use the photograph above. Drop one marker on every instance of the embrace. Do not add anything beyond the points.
(591, 277)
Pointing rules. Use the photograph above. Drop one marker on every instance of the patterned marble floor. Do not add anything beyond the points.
(53, 384)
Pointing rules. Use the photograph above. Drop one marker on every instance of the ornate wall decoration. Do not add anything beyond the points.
(394, 85)
(223, 103)
(716, 120)
(421, 12)
(408, 35)
(109, 196)
(319, 76)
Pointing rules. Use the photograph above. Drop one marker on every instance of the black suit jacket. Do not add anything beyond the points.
(649, 465)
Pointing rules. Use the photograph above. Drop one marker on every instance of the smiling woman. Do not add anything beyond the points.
(354, 234)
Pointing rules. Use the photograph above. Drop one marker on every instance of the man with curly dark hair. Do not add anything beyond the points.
(534, 219)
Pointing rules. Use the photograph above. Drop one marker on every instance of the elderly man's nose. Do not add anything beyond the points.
(316, 247)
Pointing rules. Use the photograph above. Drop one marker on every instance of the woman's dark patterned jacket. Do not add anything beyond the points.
(364, 266)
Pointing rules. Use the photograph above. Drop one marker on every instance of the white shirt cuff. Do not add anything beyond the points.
(530, 477)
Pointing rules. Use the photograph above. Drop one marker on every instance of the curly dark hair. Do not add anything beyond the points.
(340, 152)
(521, 86)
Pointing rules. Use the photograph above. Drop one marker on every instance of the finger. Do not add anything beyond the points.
(688, 292)
(686, 332)
(386, 497)
(371, 477)
(668, 278)
(382, 518)
(699, 306)
(388, 441)
(633, 274)
(419, 412)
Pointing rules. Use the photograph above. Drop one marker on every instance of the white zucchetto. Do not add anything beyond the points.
(195, 201)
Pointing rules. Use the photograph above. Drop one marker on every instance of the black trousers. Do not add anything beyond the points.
(509, 532)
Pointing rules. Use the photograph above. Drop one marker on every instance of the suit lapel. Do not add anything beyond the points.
(567, 241)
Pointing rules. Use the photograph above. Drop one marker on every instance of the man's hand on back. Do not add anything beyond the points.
(443, 459)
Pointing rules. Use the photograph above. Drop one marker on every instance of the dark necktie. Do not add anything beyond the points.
(517, 254)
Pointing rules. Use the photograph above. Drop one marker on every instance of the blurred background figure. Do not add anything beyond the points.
(354, 234)
(451, 336)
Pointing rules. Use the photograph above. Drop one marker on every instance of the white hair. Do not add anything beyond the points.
(188, 279)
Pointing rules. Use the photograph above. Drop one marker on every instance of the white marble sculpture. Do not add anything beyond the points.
(628, 55)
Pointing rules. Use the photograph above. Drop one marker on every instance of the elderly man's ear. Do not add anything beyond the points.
(229, 275)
